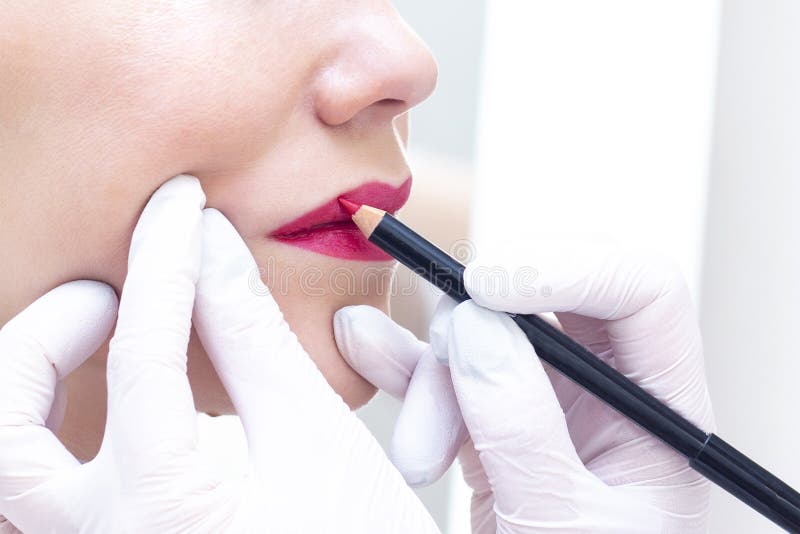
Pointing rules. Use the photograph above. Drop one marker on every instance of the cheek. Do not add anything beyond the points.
(204, 87)
(217, 96)
(174, 104)
(223, 125)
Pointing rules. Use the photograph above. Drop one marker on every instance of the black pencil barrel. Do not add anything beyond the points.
(421, 256)
(605, 382)
(749, 482)
(707, 453)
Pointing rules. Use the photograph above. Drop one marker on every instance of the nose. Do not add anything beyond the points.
(378, 69)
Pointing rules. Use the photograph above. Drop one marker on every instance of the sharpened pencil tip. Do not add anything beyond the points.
(351, 207)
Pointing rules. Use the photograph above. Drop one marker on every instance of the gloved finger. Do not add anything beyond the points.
(552, 279)
(296, 425)
(380, 350)
(513, 416)
(38, 347)
(151, 413)
(429, 429)
(270, 378)
(650, 320)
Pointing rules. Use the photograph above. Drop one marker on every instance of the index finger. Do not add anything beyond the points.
(150, 406)
(640, 307)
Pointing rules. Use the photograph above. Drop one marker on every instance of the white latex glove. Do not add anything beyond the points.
(42, 485)
(314, 467)
(550, 456)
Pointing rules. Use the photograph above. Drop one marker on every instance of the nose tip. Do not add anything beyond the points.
(383, 69)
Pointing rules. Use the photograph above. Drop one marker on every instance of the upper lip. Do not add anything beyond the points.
(332, 215)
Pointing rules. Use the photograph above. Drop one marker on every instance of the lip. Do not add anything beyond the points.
(329, 230)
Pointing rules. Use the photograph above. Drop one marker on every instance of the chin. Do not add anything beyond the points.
(311, 319)
(309, 309)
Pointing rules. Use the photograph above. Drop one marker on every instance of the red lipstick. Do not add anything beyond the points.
(329, 230)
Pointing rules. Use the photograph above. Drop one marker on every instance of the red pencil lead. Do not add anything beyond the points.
(351, 207)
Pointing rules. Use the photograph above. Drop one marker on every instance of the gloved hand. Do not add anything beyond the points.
(314, 467)
(42, 485)
(543, 455)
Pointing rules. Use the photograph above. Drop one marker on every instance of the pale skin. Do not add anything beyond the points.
(275, 106)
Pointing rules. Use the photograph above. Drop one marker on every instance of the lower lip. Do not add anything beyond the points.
(340, 240)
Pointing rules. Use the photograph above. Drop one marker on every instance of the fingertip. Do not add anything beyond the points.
(429, 430)
(505, 287)
(485, 345)
(470, 309)
(377, 348)
(469, 313)
(344, 321)
(70, 322)
(182, 186)
(103, 297)
(417, 472)
(473, 279)
(424, 459)
(94, 307)
(101, 304)
(414, 460)
(361, 330)
(167, 234)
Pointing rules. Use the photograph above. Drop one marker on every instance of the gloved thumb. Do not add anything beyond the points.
(46, 342)
(513, 415)
(429, 430)
(39, 347)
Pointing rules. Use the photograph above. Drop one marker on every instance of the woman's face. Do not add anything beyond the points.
(277, 106)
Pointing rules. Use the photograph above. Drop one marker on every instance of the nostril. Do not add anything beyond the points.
(392, 106)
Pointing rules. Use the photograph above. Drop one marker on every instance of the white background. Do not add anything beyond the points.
(673, 124)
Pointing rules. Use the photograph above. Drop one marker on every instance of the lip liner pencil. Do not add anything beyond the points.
(707, 453)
